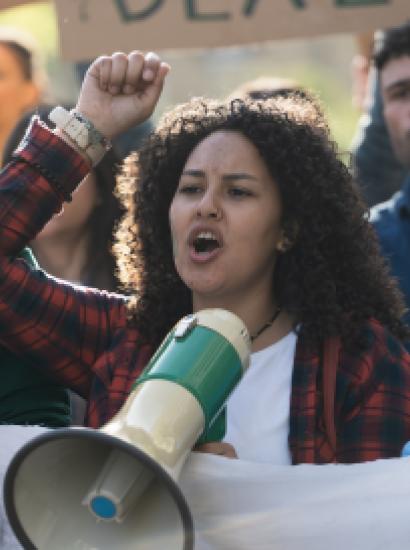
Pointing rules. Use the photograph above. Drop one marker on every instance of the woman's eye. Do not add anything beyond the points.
(189, 189)
(239, 192)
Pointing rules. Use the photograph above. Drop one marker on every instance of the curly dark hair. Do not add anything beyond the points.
(391, 44)
(331, 280)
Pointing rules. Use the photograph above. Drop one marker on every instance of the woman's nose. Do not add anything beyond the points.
(208, 207)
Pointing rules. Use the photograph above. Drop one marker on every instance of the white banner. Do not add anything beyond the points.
(244, 505)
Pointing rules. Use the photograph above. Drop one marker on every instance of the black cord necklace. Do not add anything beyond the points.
(266, 325)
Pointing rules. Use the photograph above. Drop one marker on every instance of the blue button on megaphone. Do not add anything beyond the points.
(406, 449)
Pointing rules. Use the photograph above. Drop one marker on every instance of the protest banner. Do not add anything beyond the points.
(89, 28)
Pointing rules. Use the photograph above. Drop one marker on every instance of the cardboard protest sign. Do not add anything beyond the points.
(89, 28)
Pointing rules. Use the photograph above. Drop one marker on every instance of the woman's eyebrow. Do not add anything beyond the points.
(234, 176)
(195, 173)
(239, 176)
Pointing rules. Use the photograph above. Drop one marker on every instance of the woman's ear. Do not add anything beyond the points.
(288, 238)
(283, 245)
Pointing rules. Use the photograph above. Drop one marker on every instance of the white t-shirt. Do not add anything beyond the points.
(259, 407)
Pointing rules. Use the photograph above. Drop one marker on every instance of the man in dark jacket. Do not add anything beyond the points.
(391, 219)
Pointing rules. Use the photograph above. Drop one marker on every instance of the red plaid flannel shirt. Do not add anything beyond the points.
(80, 336)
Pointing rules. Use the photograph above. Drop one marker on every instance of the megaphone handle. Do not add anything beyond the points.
(216, 431)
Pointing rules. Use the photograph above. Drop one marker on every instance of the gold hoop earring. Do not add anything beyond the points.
(283, 246)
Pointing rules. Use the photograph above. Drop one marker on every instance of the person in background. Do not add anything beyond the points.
(244, 206)
(26, 396)
(22, 79)
(391, 219)
(375, 167)
(76, 244)
(266, 87)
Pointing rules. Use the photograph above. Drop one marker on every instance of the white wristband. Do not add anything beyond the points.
(82, 131)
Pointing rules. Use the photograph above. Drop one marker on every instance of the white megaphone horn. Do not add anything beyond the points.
(116, 487)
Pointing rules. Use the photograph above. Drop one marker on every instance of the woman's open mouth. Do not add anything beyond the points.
(204, 246)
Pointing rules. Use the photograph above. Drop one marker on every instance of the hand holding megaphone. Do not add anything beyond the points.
(220, 448)
(118, 485)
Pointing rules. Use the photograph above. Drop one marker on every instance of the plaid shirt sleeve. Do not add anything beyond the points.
(373, 399)
(56, 326)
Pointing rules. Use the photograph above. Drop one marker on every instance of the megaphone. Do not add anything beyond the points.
(116, 487)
